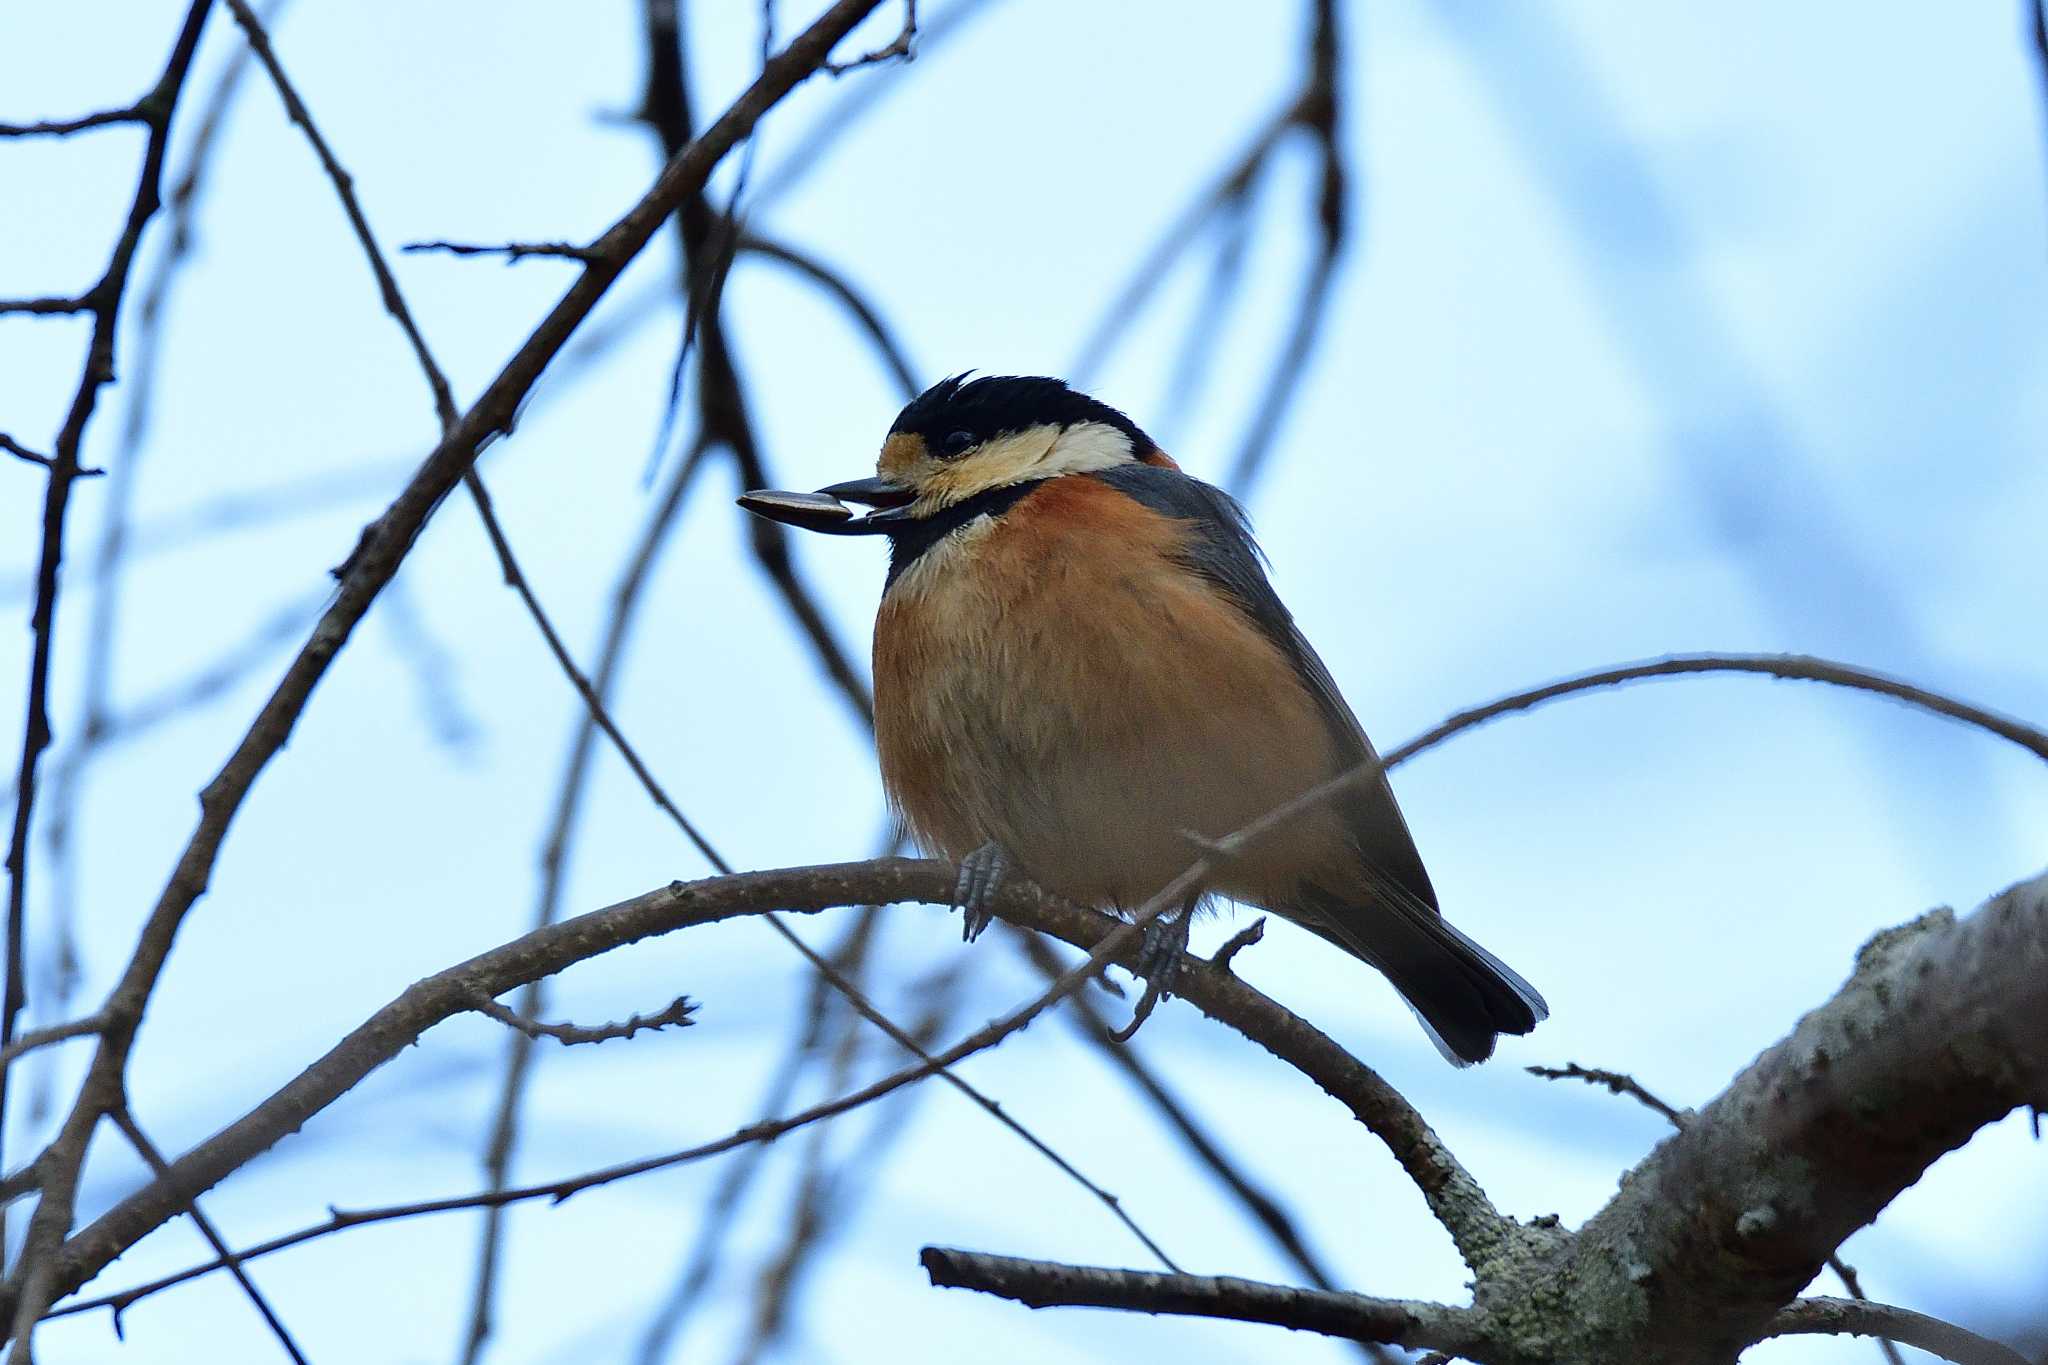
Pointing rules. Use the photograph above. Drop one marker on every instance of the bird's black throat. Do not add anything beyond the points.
(910, 538)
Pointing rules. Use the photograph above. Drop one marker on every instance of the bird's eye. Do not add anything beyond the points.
(956, 444)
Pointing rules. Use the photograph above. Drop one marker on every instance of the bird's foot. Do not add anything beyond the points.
(1159, 954)
(974, 893)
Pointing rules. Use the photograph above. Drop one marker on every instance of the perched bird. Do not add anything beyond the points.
(1079, 664)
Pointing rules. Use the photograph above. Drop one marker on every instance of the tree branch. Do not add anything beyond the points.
(676, 1015)
(383, 546)
(1942, 1029)
(1862, 1318)
(804, 890)
(1799, 667)
(1048, 1284)
(155, 109)
(124, 1119)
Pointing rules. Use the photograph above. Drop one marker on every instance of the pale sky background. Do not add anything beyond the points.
(1665, 328)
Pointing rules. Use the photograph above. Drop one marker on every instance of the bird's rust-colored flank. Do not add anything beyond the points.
(1053, 681)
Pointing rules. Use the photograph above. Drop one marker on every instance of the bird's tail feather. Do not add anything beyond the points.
(1464, 995)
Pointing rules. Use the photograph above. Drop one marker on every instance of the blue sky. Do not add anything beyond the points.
(1664, 328)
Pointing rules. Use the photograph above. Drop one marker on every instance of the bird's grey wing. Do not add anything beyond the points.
(1220, 548)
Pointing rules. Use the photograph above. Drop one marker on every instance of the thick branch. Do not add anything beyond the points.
(1942, 1030)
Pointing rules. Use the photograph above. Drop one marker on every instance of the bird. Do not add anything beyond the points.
(1082, 674)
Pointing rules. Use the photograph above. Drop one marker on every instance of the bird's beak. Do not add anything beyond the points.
(826, 509)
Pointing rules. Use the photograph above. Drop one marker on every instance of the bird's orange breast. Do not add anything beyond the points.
(1057, 681)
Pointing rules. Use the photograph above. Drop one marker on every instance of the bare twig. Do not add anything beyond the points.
(1457, 1332)
(1049, 1284)
(591, 718)
(50, 306)
(854, 103)
(20, 451)
(344, 188)
(1228, 189)
(1244, 938)
(1449, 1190)
(1938, 1010)
(1862, 1318)
(676, 1015)
(1614, 1081)
(1203, 1145)
(1313, 109)
(139, 112)
(886, 343)
(722, 1208)
(124, 1119)
(1315, 113)
(827, 1191)
(383, 546)
(103, 301)
(902, 45)
(235, 511)
(1846, 1273)
(500, 1149)
(457, 989)
(433, 665)
(210, 681)
(2037, 29)
(866, 1009)
(513, 252)
(34, 1038)
(97, 724)
(1799, 667)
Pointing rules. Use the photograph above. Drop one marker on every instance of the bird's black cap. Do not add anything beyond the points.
(996, 405)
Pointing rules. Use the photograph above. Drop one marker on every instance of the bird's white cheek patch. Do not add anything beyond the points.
(1083, 449)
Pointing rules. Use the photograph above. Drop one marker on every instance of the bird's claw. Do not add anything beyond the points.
(1159, 954)
(974, 891)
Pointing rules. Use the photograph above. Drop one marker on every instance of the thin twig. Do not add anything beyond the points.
(375, 560)
(51, 306)
(1798, 667)
(1315, 113)
(826, 1191)
(722, 1209)
(20, 451)
(35, 1038)
(1614, 1082)
(1049, 1284)
(235, 511)
(97, 723)
(1450, 1191)
(513, 252)
(1862, 1318)
(902, 45)
(103, 301)
(344, 188)
(139, 112)
(124, 1119)
(884, 338)
(676, 1015)
(857, 100)
(2037, 30)
(904, 1039)
(1263, 1208)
